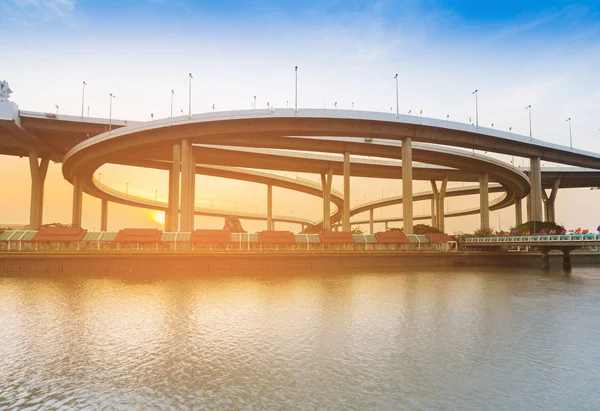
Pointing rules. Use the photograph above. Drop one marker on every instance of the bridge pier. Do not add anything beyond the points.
(386, 226)
(518, 212)
(484, 201)
(535, 176)
(326, 181)
(104, 215)
(346, 213)
(550, 201)
(269, 207)
(439, 197)
(566, 260)
(77, 203)
(38, 173)
(371, 221)
(174, 177)
(407, 181)
(545, 259)
(433, 213)
(188, 186)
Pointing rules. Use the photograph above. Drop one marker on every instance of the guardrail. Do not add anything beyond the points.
(591, 237)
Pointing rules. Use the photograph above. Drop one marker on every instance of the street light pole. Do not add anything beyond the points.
(110, 111)
(254, 106)
(172, 94)
(296, 92)
(530, 133)
(397, 106)
(83, 98)
(476, 108)
(190, 95)
(570, 134)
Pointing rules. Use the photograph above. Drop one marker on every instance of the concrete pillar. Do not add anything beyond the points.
(529, 208)
(174, 176)
(346, 214)
(326, 180)
(104, 216)
(518, 212)
(371, 221)
(386, 226)
(550, 203)
(185, 185)
(38, 176)
(441, 221)
(77, 203)
(407, 192)
(437, 209)
(545, 205)
(536, 189)
(484, 201)
(269, 207)
(192, 198)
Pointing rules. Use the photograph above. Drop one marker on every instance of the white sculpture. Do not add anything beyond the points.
(5, 91)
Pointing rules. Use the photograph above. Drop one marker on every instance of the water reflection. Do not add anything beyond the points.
(463, 339)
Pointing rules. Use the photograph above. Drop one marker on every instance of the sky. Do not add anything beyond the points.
(543, 53)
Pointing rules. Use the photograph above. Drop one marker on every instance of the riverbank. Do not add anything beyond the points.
(199, 262)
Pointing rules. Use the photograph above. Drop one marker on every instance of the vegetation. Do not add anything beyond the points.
(536, 227)
(357, 230)
(417, 229)
(484, 232)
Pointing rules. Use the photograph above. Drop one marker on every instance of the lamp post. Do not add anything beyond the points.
(83, 98)
(110, 111)
(88, 111)
(56, 105)
(126, 190)
(570, 134)
(172, 94)
(190, 96)
(156, 196)
(530, 133)
(476, 108)
(296, 91)
(397, 106)
(254, 104)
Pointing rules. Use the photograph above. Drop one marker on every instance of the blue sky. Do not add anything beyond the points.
(544, 53)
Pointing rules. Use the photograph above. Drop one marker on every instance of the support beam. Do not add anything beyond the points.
(536, 189)
(192, 198)
(407, 189)
(441, 222)
(545, 205)
(484, 201)
(269, 207)
(326, 180)
(104, 216)
(185, 185)
(386, 226)
(433, 213)
(38, 172)
(528, 207)
(346, 214)
(77, 203)
(371, 221)
(518, 212)
(551, 202)
(434, 203)
(174, 177)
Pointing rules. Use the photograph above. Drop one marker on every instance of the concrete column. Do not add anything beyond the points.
(552, 200)
(407, 191)
(185, 185)
(346, 214)
(528, 207)
(484, 201)
(192, 198)
(104, 216)
(174, 176)
(441, 222)
(371, 221)
(518, 212)
(536, 189)
(269, 207)
(38, 176)
(545, 205)
(386, 226)
(434, 203)
(77, 203)
(326, 180)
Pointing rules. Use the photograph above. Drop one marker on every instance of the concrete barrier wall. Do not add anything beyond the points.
(168, 263)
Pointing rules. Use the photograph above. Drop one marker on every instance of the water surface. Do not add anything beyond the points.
(463, 339)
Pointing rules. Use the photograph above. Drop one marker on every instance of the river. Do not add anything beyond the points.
(465, 339)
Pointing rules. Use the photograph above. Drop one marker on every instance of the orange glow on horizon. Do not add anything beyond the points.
(159, 217)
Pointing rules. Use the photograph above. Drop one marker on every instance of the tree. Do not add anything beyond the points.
(417, 229)
(484, 232)
(536, 227)
(357, 230)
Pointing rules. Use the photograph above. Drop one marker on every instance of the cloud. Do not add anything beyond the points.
(33, 12)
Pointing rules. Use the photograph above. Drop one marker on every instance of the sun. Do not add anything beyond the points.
(159, 217)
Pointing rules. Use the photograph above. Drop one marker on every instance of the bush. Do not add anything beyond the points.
(536, 227)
